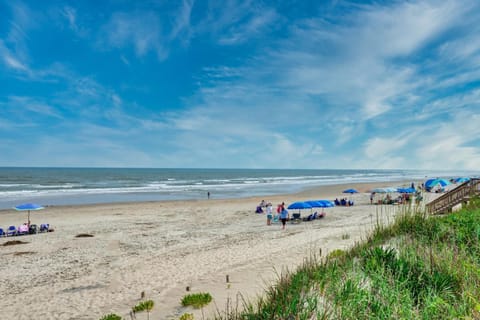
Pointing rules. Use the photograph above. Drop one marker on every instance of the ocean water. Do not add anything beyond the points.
(70, 186)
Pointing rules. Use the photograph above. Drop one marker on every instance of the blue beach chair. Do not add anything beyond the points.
(12, 231)
(44, 227)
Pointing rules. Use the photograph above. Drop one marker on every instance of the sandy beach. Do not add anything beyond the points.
(161, 248)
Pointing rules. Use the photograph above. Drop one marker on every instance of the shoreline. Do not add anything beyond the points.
(161, 248)
(361, 186)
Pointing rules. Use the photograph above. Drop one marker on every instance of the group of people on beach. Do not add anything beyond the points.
(343, 202)
(281, 214)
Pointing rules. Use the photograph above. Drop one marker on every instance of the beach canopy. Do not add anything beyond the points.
(462, 180)
(28, 207)
(406, 190)
(326, 203)
(384, 190)
(299, 205)
(314, 204)
(351, 191)
(430, 183)
(320, 203)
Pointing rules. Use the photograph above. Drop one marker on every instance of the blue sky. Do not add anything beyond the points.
(240, 84)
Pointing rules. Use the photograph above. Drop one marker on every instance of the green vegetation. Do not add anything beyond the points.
(197, 300)
(144, 306)
(111, 316)
(418, 267)
(186, 316)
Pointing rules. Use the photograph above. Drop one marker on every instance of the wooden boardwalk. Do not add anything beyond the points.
(460, 194)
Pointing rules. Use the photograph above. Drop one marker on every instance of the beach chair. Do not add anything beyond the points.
(44, 227)
(33, 229)
(2, 233)
(296, 218)
(276, 218)
(22, 230)
(12, 231)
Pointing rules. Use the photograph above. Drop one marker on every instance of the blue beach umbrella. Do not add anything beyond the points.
(28, 207)
(351, 191)
(384, 190)
(314, 204)
(299, 205)
(320, 203)
(430, 183)
(326, 203)
(462, 180)
(406, 190)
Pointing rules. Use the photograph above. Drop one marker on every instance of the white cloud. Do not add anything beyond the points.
(253, 27)
(32, 105)
(234, 22)
(451, 144)
(141, 29)
(13, 63)
(71, 15)
(181, 24)
(404, 28)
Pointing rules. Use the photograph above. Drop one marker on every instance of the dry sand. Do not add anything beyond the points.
(160, 248)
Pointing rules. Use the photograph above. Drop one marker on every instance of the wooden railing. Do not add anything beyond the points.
(460, 194)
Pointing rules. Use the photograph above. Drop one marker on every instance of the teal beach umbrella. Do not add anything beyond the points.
(28, 207)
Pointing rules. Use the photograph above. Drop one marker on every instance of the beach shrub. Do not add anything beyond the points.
(111, 316)
(186, 316)
(337, 253)
(144, 306)
(196, 300)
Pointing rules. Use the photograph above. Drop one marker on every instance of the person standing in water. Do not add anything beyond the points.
(208, 195)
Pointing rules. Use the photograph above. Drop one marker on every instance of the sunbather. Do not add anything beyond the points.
(23, 229)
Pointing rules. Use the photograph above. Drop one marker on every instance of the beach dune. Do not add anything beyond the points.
(158, 249)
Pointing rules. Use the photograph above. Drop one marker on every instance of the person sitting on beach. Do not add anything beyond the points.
(337, 203)
(388, 199)
(259, 210)
(23, 229)
(263, 204)
(343, 202)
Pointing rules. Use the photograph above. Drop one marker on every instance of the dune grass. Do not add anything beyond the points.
(417, 267)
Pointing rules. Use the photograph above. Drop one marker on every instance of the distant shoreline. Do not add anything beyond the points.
(312, 190)
(80, 186)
